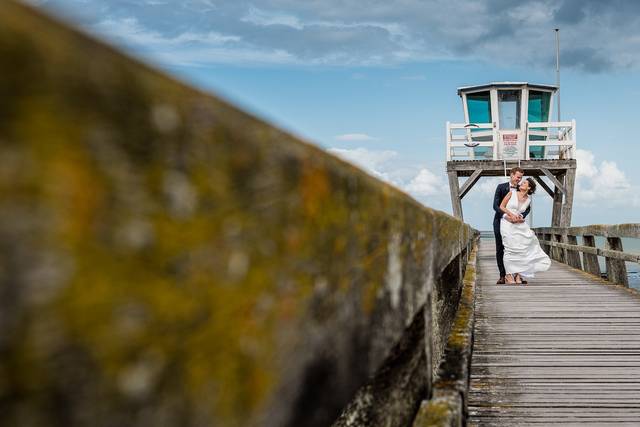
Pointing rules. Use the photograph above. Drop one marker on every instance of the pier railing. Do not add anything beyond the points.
(562, 245)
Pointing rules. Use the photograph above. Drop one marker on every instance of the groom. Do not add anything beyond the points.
(515, 175)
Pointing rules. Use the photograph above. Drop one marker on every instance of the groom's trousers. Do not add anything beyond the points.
(499, 246)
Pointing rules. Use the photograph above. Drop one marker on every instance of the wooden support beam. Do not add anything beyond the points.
(468, 184)
(553, 179)
(496, 167)
(556, 214)
(567, 207)
(544, 185)
(616, 269)
(454, 188)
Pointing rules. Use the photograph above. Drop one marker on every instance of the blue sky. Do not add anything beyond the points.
(375, 81)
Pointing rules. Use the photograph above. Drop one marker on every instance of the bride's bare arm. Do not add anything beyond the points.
(503, 207)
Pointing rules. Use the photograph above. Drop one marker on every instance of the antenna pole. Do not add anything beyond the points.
(557, 30)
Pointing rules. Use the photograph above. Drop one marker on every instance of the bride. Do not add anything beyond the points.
(523, 255)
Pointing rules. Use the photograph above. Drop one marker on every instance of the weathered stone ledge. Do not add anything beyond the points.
(448, 405)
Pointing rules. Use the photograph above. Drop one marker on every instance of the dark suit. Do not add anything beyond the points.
(501, 191)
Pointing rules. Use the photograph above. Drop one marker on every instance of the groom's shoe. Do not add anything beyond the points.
(500, 281)
(524, 282)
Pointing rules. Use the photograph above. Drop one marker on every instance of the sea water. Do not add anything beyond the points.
(629, 246)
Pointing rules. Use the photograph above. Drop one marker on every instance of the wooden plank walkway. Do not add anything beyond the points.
(563, 350)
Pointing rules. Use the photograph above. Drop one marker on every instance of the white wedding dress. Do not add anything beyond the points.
(522, 251)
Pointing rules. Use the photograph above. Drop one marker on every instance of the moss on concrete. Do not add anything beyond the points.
(439, 412)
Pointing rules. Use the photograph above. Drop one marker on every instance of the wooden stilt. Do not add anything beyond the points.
(454, 188)
(557, 206)
(567, 206)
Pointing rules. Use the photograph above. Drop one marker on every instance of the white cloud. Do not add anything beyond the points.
(419, 182)
(603, 185)
(373, 161)
(354, 137)
(263, 18)
(597, 36)
(189, 48)
(198, 48)
(612, 177)
(586, 167)
(487, 185)
(131, 31)
(426, 183)
(224, 55)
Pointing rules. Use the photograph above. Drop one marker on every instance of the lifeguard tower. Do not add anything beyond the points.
(506, 124)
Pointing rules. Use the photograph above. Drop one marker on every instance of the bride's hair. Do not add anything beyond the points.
(532, 186)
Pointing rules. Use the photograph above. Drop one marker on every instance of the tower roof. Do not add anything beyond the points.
(551, 88)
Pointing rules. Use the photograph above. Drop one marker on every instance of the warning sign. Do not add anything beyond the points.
(510, 148)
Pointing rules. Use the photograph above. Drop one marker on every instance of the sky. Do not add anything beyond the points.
(375, 81)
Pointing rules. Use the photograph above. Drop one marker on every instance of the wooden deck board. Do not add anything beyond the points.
(563, 349)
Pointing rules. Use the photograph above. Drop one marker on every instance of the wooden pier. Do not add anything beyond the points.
(563, 349)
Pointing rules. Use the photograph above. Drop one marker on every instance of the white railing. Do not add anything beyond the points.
(465, 141)
(558, 139)
(461, 143)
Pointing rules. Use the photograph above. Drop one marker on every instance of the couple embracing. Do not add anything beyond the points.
(518, 252)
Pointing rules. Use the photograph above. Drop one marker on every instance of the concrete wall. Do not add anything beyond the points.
(168, 260)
